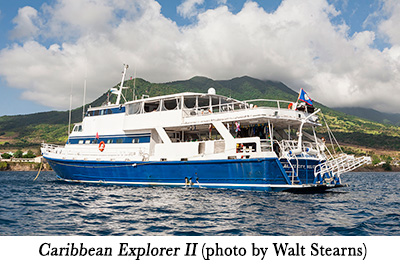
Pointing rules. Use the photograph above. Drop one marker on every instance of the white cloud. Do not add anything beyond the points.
(389, 27)
(297, 44)
(188, 8)
(25, 22)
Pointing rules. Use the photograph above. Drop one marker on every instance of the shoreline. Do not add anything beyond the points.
(23, 166)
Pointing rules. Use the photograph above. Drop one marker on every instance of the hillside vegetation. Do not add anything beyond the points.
(371, 114)
(30, 130)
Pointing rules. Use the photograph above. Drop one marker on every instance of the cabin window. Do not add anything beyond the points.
(97, 112)
(120, 140)
(136, 140)
(151, 106)
(171, 104)
(134, 108)
(81, 141)
(190, 102)
(204, 101)
(109, 141)
(87, 141)
(78, 128)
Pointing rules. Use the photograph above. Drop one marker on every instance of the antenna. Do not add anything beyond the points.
(134, 85)
(122, 84)
(84, 92)
(70, 106)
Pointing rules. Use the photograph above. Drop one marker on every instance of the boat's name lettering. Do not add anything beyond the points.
(204, 251)
(301, 166)
(72, 249)
(148, 250)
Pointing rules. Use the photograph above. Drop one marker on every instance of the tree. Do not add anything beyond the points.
(6, 156)
(387, 165)
(375, 159)
(3, 166)
(29, 154)
(18, 154)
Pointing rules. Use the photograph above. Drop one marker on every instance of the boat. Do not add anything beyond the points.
(201, 140)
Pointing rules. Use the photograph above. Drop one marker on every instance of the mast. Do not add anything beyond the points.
(122, 85)
(84, 93)
(134, 86)
(84, 99)
(300, 139)
(70, 107)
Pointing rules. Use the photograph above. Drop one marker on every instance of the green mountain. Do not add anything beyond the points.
(371, 114)
(51, 127)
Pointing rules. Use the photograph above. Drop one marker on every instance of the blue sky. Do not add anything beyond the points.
(336, 49)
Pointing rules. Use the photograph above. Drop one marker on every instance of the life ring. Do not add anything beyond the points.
(102, 145)
(290, 106)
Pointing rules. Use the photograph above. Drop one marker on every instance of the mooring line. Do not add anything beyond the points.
(40, 168)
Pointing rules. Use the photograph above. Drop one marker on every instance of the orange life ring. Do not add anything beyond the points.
(102, 145)
(290, 106)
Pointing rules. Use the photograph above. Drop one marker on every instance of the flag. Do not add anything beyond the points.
(97, 135)
(304, 97)
(237, 124)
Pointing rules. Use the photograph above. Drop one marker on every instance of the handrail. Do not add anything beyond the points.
(229, 107)
(269, 100)
(341, 164)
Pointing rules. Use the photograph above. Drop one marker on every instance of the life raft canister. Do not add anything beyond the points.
(102, 145)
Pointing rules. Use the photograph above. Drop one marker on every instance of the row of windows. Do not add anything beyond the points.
(109, 111)
(126, 140)
(207, 102)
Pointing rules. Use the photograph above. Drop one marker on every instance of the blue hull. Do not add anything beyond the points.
(304, 168)
(265, 174)
(255, 174)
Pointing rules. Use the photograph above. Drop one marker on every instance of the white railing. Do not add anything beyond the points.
(231, 107)
(93, 153)
(341, 164)
(290, 147)
(277, 102)
(51, 147)
(295, 172)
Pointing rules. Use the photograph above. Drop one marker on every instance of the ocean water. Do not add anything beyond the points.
(370, 206)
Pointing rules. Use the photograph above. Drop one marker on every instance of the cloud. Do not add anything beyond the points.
(388, 27)
(297, 44)
(25, 22)
(188, 8)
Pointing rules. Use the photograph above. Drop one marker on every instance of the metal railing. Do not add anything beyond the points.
(231, 107)
(292, 145)
(94, 153)
(341, 164)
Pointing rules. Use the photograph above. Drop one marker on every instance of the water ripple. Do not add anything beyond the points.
(50, 207)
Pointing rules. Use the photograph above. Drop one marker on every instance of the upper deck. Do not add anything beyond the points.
(192, 109)
(186, 109)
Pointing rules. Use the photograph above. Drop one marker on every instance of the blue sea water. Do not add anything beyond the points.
(370, 206)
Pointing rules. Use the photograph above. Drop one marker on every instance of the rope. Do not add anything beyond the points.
(40, 168)
(330, 134)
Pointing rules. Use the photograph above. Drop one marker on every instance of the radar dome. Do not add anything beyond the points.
(211, 91)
